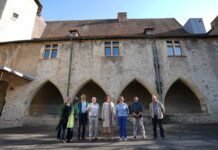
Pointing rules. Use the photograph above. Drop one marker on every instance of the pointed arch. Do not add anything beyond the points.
(181, 98)
(47, 100)
(90, 88)
(3, 91)
(135, 88)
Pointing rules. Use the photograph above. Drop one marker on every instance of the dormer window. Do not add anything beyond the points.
(73, 33)
(148, 30)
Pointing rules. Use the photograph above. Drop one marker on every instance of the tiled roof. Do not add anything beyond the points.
(112, 27)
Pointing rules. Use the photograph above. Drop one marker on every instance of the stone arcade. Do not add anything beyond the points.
(129, 57)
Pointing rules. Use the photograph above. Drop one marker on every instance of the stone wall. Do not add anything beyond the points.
(197, 70)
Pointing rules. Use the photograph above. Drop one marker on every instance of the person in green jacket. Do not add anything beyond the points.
(66, 123)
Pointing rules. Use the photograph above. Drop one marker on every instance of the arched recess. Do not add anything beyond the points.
(3, 91)
(91, 89)
(181, 99)
(46, 101)
(137, 89)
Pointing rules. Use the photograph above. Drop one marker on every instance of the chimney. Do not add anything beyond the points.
(195, 26)
(122, 17)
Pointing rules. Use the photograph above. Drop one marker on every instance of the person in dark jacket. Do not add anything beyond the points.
(82, 116)
(66, 123)
(136, 109)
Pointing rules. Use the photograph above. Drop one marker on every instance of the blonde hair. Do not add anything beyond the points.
(66, 99)
(83, 96)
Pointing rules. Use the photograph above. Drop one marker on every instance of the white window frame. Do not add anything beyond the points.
(174, 45)
(112, 46)
(50, 49)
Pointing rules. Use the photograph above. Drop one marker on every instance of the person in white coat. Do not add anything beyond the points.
(108, 117)
(93, 110)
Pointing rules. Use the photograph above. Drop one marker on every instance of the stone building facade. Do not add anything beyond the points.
(129, 57)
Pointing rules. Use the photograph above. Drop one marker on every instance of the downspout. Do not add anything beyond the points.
(70, 66)
(157, 70)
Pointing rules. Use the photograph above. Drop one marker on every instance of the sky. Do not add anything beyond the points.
(181, 10)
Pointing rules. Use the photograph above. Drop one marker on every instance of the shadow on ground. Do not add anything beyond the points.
(179, 136)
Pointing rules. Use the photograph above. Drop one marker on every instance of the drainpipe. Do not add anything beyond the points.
(157, 70)
(70, 66)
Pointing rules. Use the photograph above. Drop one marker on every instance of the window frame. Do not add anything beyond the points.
(107, 45)
(174, 44)
(112, 45)
(51, 47)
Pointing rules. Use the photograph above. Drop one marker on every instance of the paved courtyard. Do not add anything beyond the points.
(179, 136)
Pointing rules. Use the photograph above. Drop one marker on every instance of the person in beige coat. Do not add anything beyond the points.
(108, 117)
(157, 111)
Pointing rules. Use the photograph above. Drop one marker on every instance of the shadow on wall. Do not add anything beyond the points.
(181, 99)
(92, 89)
(47, 101)
(136, 89)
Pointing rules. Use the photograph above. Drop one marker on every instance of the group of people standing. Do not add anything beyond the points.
(110, 114)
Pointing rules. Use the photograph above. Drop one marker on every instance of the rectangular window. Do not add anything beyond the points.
(51, 51)
(107, 48)
(174, 48)
(46, 54)
(55, 46)
(178, 50)
(107, 51)
(112, 49)
(54, 53)
(116, 49)
(47, 46)
(170, 48)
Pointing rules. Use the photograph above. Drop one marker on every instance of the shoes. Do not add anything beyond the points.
(134, 137)
(93, 139)
(125, 139)
(145, 137)
(63, 141)
(120, 139)
(68, 141)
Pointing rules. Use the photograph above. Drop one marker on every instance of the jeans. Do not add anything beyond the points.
(82, 124)
(93, 127)
(122, 126)
(63, 131)
(139, 121)
(158, 122)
